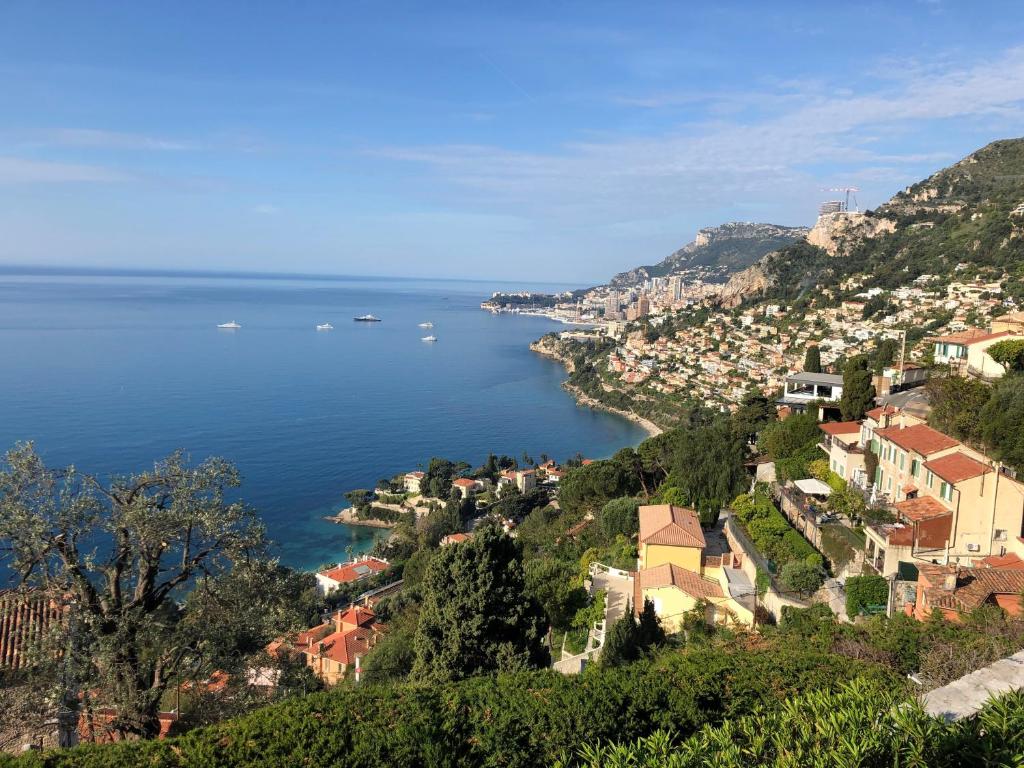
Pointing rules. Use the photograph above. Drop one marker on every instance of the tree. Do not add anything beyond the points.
(956, 406)
(858, 391)
(756, 411)
(650, 631)
(1009, 354)
(812, 359)
(621, 646)
(708, 467)
(554, 584)
(121, 554)
(1001, 421)
(476, 615)
(802, 577)
(620, 516)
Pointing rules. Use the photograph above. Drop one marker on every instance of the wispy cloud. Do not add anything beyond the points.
(719, 160)
(17, 170)
(266, 209)
(90, 137)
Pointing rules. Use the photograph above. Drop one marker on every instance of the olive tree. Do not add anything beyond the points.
(120, 556)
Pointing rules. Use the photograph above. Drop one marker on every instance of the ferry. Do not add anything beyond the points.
(366, 319)
(325, 327)
(232, 325)
(427, 324)
(429, 338)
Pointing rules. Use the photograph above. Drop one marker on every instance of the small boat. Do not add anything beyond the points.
(325, 327)
(231, 326)
(429, 338)
(427, 324)
(366, 319)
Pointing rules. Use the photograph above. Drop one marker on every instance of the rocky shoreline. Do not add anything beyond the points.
(347, 516)
(544, 350)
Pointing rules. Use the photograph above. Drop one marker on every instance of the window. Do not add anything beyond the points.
(878, 475)
(946, 491)
(874, 445)
(915, 468)
(903, 458)
(930, 479)
(888, 484)
(1000, 535)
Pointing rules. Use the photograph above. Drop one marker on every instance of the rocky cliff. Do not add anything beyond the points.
(717, 252)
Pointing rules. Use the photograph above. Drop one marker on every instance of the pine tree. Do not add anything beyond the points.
(812, 359)
(858, 391)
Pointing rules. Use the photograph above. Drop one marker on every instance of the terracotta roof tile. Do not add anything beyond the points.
(670, 525)
(974, 586)
(957, 467)
(671, 575)
(840, 427)
(921, 508)
(1009, 561)
(355, 570)
(919, 438)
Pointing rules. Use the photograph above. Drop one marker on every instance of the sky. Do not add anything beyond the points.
(524, 141)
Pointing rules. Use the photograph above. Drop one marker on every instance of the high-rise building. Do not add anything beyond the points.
(611, 306)
(643, 306)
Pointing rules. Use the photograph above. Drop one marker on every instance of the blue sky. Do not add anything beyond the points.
(547, 141)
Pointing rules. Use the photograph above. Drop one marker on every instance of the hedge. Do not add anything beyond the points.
(523, 719)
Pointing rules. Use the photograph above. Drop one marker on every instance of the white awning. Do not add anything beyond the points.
(813, 487)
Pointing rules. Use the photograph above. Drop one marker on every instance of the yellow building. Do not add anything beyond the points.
(676, 575)
(670, 534)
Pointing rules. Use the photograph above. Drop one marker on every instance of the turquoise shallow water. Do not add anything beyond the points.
(109, 372)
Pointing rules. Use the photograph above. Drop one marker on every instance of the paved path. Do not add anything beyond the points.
(965, 696)
(619, 590)
(836, 598)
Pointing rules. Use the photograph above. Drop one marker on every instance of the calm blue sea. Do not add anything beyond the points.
(110, 372)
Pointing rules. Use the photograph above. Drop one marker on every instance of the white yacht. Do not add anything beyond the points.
(429, 338)
(427, 324)
(325, 327)
(232, 325)
(366, 319)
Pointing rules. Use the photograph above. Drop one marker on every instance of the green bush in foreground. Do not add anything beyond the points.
(521, 719)
(856, 726)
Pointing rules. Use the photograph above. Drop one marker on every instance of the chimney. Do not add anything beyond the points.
(949, 582)
(337, 621)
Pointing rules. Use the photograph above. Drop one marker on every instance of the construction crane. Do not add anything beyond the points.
(846, 191)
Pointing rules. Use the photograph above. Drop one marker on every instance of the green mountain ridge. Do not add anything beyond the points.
(721, 250)
(959, 223)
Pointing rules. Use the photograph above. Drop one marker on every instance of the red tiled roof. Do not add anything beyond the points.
(671, 575)
(464, 482)
(962, 337)
(974, 586)
(25, 617)
(454, 538)
(840, 427)
(921, 508)
(877, 413)
(1011, 562)
(919, 438)
(357, 616)
(956, 467)
(671, 525)
(355, 570)
(417, 475)
(989, 337)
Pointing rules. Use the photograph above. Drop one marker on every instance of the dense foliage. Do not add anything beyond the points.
(521, 719)
(864, 591)
(476, 613)
(774, 537)
(858, 725)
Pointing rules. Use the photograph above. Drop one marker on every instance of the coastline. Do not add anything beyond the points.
(652, 429)
(347, 517)
(581, 398)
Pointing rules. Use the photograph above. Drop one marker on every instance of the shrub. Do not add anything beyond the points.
(862, 591)
(516, 720)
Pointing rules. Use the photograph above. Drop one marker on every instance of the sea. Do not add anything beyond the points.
(111, 371)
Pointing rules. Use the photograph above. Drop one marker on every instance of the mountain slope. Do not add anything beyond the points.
(720, 250)
(959, 222)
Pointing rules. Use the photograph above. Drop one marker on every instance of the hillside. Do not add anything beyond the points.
(960, 221)
(720, 251)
